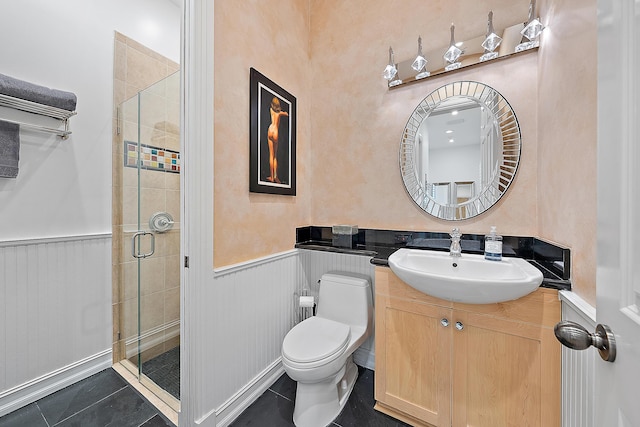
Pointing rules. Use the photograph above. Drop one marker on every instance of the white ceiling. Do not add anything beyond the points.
(465, 126)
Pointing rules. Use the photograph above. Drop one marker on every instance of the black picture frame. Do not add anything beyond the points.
(272, 159)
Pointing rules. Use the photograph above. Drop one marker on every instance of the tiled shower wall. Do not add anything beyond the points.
(136, 69)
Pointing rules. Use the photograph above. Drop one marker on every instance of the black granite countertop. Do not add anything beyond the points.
(553, 261)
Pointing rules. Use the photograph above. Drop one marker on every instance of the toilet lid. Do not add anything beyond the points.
(316, 339)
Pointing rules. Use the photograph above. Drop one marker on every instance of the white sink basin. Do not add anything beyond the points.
(469, 279)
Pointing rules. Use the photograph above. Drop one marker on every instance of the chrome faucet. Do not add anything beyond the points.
(455, 250)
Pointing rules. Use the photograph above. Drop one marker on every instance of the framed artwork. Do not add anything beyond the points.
(272, 160)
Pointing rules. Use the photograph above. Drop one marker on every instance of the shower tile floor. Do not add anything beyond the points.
(164, 370)
(103, 399)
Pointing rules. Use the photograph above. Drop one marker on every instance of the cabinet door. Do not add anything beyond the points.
(505, 373)
(413, 359)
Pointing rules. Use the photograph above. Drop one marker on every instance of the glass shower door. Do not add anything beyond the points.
(151, 182)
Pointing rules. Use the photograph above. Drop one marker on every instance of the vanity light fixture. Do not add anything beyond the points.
(502, 43)
(491, 42)
(531, 30)
(420, 62)
(453, 53)
(391, 71)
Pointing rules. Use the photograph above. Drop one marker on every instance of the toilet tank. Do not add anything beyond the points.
(346, 298)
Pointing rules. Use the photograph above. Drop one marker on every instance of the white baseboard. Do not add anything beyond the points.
(37, 388)
(240, 401)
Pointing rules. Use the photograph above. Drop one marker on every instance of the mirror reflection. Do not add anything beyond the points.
(460, 150)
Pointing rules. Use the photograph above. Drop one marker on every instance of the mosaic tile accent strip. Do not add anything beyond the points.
(151, 158)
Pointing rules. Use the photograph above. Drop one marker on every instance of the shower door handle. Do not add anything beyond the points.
(135, 252)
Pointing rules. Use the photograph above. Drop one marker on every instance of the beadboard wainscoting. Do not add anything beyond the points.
(578, 367)
(252, 307)
(251, 310)
(55, 300)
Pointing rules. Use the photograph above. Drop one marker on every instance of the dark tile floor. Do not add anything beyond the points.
(275, 407)
(164, 370)
(104, 399)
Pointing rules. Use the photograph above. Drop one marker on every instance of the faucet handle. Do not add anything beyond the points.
(455, 233)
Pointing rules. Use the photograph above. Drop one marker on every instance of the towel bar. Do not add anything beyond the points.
(40, 109)
(62, 133)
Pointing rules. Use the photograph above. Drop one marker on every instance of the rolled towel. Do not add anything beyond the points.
(32, 92)
(9, 149)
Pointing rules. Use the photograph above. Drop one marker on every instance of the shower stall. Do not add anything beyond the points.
(149, 238)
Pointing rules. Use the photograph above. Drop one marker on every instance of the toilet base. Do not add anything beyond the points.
(318, 404)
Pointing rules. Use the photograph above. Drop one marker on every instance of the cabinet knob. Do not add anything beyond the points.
(444, 322)
(459, 326)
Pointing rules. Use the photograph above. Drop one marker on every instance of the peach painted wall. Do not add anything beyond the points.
(567, 105)
(273, 37)
(350, 124)
(357, 121)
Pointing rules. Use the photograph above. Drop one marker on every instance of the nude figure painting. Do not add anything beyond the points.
(273, 137)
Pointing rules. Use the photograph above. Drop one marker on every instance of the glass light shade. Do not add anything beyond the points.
(390, 70)
(533, 29)
(453, 53)
(420, 61)
(492, 41)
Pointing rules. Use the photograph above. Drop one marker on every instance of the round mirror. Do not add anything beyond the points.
(460, 150)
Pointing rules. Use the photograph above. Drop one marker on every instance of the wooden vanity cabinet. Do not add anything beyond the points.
(441, 364)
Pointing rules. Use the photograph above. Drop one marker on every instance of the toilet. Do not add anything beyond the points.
(317, 352)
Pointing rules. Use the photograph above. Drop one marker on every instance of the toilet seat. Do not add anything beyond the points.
(315, 342)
